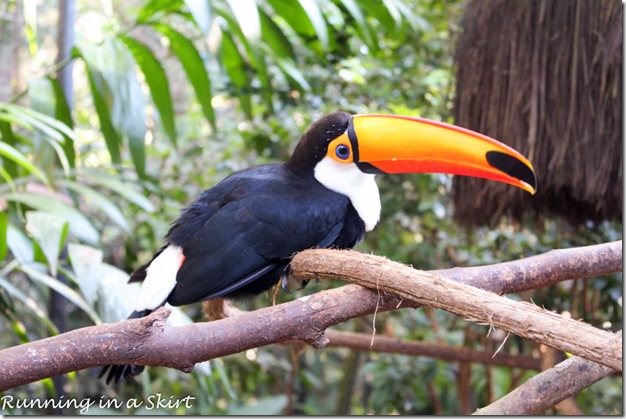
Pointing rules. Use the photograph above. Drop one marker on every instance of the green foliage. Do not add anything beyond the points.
(171, 96)
(155, 78)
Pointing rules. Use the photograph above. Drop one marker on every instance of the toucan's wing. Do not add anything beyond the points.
(249, 239)
(268, 268)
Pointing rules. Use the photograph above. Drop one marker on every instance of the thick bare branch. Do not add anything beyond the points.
(541, 270)
(150, 341)
(471, 303)
(548, 388)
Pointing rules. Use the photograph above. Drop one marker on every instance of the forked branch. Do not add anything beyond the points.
(473, 304)
(150, 341)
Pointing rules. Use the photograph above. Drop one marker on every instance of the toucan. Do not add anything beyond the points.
(236, 239)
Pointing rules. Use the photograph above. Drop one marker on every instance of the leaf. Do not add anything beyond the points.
(317, 20)
(64, 115)
(234, 65)
(378, 10)
(128, 108)
(8, 137)
(43, 99)
(247, 15)
(126, 190)
(30, 19)
(137, 146)
(417, 23)
(116, 297)
(87, 266)
(361, 24)
(221, 371)
(96, 199)
(239, 26)
(63, 158)
(152, 9)
(157, 82)
(4, 223)
(194, 68)
(201, 12)
(30, 303)
(393, 11)
(275, 37)
(62, 289)
(46, 124)
(16, 156)
(296, 17)
(8, 179)
(49, 231)
(79, 225)
(290, 70)
(20, 245)
(392, 14)
(118, 98)
(111, 136)
(17, 116)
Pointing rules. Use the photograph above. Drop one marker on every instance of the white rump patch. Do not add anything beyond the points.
(348, 180)
(160, 278)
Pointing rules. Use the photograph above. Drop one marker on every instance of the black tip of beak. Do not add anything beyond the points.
(512, 167)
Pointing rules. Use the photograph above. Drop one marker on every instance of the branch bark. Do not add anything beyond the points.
(218, 309)
(149, 341)
(548, 388)
(471, 303)
(541, 270)
(444, 352)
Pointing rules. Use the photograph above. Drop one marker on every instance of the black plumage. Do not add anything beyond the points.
(238, 237)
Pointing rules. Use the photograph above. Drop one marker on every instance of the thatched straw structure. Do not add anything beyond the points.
(544, 76)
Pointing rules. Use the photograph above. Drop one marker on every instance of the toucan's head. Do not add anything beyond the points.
(339, 143)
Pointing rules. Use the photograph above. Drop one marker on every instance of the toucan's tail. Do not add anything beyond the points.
(118, 373)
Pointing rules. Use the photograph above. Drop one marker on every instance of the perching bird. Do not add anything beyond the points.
(237, 238)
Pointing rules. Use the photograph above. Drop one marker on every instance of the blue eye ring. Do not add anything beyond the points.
(342, 151)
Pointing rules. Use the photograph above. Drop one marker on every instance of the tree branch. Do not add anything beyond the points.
(471, 303)
(444, 352)
(218, 309)
(149, 341)
(541, 270)
(548, 388)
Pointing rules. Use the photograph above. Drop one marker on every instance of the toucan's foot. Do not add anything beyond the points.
(284, 282)
(117, 373)
(284, 279)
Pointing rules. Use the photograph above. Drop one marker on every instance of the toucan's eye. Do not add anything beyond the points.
(342, 151)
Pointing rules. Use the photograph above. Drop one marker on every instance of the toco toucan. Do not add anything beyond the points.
(237, 238)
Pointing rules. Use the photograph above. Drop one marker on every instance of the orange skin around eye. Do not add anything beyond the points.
(332, 147)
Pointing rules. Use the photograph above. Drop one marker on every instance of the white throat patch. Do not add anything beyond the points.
(348, 180)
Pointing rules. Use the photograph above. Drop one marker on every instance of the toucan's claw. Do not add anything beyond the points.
(284, 282)
(304, 283)
(284, 279)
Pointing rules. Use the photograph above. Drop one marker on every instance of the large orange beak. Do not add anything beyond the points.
(402, 144)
